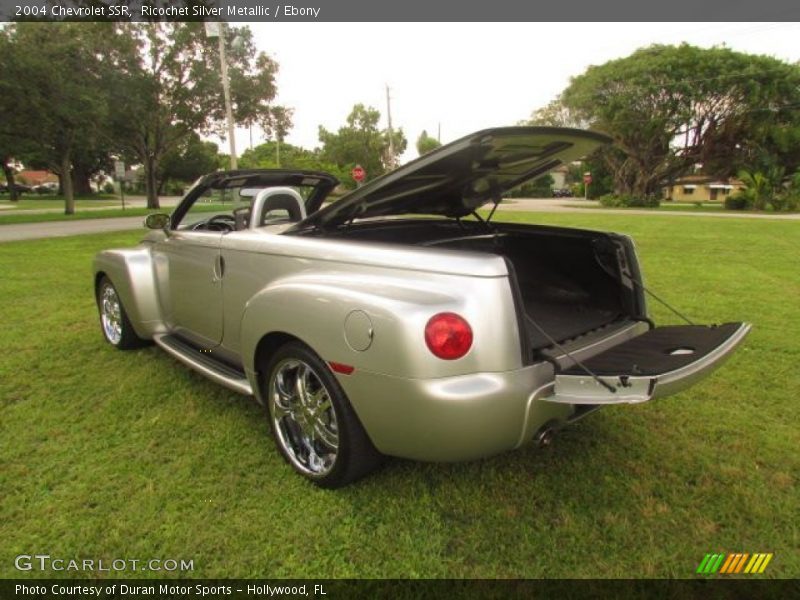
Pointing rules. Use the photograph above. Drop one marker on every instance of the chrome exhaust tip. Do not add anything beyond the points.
(544, 437)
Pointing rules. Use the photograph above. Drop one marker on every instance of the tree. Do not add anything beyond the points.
(670, 107)
(57, 75)
(556, 114)
(361, 142)
(11, 95)
(279, 124)
(264, 156)
(174, 89)
(191, 159)
(426, 143)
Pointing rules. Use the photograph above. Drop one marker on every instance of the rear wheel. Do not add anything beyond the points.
(315, 428)
(114, 322)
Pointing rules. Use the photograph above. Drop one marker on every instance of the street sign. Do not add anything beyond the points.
(358, 173)
(587, 178)
(119, 170)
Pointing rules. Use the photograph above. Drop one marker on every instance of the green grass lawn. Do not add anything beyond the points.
(108, 454)
(707, 207)
(100, 214)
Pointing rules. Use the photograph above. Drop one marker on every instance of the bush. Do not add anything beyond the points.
(738, 201)
(541, 187)
(628, 200)
(108, 188)
(610, 201)
(787, 201)
(174, 188)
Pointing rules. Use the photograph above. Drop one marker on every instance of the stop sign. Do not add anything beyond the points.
(358, 173)
(587, 178)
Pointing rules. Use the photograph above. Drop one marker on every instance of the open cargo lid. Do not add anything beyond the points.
(457, 178)
(660, 362)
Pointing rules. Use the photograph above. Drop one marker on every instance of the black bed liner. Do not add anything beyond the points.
(658, 351)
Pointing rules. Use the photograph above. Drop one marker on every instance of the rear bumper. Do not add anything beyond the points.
(478, 415)
(452, 418)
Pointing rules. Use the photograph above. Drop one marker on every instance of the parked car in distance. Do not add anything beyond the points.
(562, 193)
(50, 187)
(398, 320)
(19, 187)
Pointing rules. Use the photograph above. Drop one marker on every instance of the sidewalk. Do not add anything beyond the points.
(130, 202)
(50, 229)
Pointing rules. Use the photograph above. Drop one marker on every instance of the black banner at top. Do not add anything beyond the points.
(405, 11)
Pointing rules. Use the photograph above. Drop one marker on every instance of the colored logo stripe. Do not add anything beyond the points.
(710, 563)
(734, 563)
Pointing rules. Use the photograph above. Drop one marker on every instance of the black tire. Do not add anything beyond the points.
(300, 431)
(125, 338)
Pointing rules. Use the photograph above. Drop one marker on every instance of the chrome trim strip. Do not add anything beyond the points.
(242, 386)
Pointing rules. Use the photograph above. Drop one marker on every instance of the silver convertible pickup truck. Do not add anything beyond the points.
(398, 320)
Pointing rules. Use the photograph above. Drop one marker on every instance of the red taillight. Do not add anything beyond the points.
(341, 368)
(448, 336)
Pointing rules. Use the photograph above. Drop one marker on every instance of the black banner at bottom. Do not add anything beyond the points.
(334, 589)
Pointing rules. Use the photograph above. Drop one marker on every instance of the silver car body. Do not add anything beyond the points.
(222, 301)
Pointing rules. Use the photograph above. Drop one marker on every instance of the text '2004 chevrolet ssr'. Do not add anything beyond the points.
(398, 320)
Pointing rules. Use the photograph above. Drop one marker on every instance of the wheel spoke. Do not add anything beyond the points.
(301, 384)
(326, 436)
(303, 417)
(283, 397)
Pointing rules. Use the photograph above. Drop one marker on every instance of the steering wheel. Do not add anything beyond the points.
(221, 222)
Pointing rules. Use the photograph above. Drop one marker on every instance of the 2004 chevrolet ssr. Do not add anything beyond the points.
(398, 320)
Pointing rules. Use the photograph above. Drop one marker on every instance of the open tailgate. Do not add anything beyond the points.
(663, 361)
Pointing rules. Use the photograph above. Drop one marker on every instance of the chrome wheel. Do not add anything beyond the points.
(111, 314)
(303, 417)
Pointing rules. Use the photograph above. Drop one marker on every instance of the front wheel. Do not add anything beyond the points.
(315, 428)
(114, 322)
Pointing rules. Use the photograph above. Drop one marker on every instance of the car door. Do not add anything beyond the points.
(189, 272)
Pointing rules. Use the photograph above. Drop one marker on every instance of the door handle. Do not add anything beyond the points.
(218, 270)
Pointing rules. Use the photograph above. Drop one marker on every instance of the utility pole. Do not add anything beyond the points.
(217, 29)
(391, 133)
(226, 88)
(439, 132)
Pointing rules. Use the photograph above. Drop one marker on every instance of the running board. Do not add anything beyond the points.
(205, 364)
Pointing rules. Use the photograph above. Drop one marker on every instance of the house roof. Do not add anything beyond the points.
(713, 182)
(36, 177)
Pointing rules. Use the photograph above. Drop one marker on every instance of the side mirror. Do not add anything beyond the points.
(157, 221)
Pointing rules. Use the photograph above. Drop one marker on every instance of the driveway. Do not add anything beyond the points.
(31, 231)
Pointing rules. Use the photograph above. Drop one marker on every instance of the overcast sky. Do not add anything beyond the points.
(464, 76)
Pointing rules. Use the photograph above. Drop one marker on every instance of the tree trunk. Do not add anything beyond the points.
(80, 181)
(66, 182)
(13, 194)
(151, 182)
